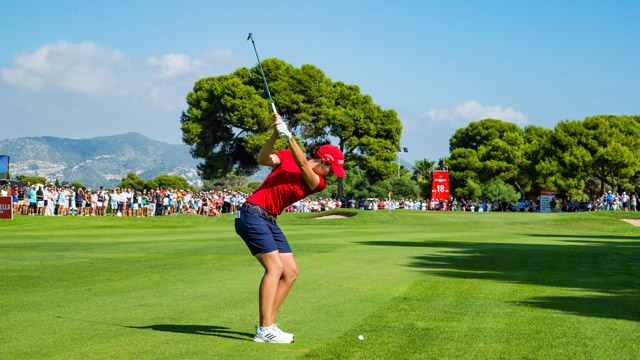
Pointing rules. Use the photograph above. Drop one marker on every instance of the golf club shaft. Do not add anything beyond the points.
(262, 71)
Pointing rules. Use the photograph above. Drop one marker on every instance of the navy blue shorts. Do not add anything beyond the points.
(260, 234)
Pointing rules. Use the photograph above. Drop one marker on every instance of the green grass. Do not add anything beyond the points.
(414, 284)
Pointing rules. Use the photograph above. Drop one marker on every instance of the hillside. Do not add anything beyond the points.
(100, 160)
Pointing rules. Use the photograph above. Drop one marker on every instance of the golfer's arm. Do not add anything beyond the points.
(266, 157)
(310, 177)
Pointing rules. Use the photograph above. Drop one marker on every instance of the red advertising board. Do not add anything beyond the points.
(5, 208)
(440, 187)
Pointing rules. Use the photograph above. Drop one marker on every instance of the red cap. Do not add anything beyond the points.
(334, 157)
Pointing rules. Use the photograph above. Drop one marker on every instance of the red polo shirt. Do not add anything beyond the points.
(284, 186)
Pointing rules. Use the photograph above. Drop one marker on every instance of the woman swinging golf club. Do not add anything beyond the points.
(293, 178)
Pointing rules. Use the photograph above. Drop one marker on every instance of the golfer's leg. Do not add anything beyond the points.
(273, 268)
(289, 276)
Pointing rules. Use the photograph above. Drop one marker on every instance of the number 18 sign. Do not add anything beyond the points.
(440, 186)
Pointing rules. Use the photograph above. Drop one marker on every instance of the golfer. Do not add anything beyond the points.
(293, 178)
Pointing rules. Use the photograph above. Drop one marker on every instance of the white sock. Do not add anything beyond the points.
(263, 329)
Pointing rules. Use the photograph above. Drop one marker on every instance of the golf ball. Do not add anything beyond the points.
(360, 337)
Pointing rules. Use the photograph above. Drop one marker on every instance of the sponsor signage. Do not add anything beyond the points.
(545, 200)
(440, 187)
(5, 208)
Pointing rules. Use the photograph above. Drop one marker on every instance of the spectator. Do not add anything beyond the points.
(87, 201)
(105, 201)
(609, 201)
(49, 201)
(32, 200)
(25, 198)
(625, 201)
(94, 202)
(113, 199)
(40, 201)
(15, 196)
(122, 202)
(78, 200)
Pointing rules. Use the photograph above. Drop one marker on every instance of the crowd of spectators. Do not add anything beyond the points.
(315, 205)
(48, 200)
(607, 202)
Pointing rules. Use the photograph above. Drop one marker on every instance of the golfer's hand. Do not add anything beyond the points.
(281, 127)
(277, 119)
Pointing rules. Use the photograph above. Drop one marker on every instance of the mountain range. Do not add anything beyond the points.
(105, 160)
(99, 161)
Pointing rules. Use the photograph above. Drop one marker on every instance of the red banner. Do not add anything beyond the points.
(440, 187)
(5, 208)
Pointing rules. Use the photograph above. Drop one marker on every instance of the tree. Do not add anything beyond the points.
(541, 169)
(254, 185)
(168, 182)
(471, 190)
(132, 181)
(401, 187)
(488, 149)
(403, 171)
(577, 156)
(357, 184)
(423, 175)
(368, 136)
(496, 189)
(462, 167)
(32, 179)
(423, 168)
(228, 119)
(614, 144)
(597, 153)
(330, 190)
(77, 185)
(229, 181)
(574, 162)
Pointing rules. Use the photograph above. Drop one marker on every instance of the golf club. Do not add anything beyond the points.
(262, 71)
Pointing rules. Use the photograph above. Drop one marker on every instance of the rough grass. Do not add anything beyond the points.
(414, 284)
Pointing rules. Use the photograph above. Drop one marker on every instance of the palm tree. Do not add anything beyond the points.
(423, 169)
(423, 174)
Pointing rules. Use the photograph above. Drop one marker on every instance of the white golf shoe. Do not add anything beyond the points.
(272, 334)
(284, 333)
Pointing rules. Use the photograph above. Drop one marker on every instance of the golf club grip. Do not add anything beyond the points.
(274, 108)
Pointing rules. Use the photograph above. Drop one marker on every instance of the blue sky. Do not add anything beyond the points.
(76, 69)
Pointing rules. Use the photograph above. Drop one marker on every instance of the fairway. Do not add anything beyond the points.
(416, 285)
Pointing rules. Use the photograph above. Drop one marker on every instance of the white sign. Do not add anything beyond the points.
(545, 200)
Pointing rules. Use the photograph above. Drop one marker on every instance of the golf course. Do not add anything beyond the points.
(414, 284)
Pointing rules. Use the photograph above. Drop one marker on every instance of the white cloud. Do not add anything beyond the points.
(170, 64)
(463, 114)
(20, 77)
(84, 68)
(64, 89)
(88, 68)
